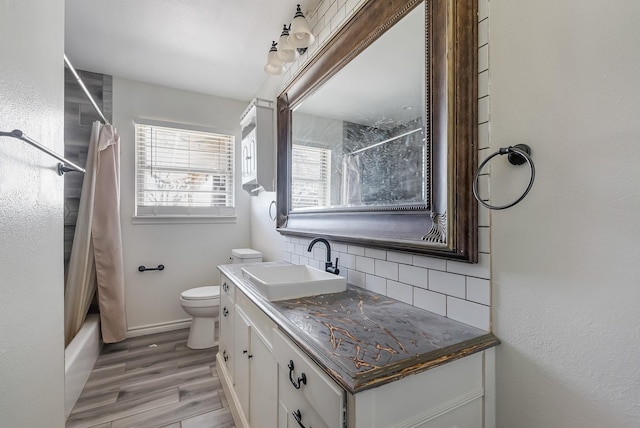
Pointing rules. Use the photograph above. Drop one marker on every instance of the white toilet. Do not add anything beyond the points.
(203, 304)
(246, 255)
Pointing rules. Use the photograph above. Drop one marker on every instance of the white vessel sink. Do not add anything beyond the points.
(292, 281)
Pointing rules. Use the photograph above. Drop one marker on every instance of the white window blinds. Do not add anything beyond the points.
(310, 177)
(183, 173)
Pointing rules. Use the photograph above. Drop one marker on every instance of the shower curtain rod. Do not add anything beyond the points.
(355, 152)
(63, 167)
(84, 88)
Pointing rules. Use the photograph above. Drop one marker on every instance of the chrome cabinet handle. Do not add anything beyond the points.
(225, 312)
(301, 380)
(224, 355)
(298, 417)
(225, 287)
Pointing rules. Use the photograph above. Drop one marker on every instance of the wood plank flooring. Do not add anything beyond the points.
(153, 381)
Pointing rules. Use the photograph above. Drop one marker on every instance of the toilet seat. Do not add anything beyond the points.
(201, 293)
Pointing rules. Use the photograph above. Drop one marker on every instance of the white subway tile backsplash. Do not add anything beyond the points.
(376, 284)
(295, 259)
(386, 269)
(469, 313)
(400, 291)
(316, 264)
(303, 260)
(447, 283)
(429, 263)
(483, 32)
(483, 187)
(375, 253)
(323, 36)
(483, 135)
(483, 216)
(338, 19)
(358, 251)
(322, 8)
(356, 278)
(353, 5)
(413, 275)
(403, 258)
(483, 84)
(347, 260)
(484, 245)
(365, 264)
(479, 290)
(341, 248)
(482, 269)
(483, 9)
(430, 301)
(286, 256)
(483, 110)
(483, 58)
(331, 12)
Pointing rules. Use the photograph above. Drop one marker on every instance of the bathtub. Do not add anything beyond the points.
(79, 359)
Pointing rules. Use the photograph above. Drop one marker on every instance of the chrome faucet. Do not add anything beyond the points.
(328, 266)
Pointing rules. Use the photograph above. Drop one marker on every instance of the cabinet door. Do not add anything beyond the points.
(263, 396)
(242, 357)
(249, 156)
(226, 348)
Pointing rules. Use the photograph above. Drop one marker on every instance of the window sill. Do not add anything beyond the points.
(183, 219)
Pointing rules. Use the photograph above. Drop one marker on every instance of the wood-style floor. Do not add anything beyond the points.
(153, 381)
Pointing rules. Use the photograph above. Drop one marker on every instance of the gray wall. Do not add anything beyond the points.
(79, 116)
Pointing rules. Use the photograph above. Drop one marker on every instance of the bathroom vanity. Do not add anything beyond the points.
(353, 359)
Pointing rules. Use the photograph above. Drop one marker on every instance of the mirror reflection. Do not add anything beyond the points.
(368, 149)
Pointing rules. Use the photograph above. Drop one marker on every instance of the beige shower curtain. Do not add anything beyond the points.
(96, 256)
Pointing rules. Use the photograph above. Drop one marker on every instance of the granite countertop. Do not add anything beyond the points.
(363, 339)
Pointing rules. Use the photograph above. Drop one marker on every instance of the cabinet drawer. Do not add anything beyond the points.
(227, 287)
(318, 389)
(259, 320)
(293, 407)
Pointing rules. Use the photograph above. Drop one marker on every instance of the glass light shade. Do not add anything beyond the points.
(300, 34)
(274, 65)
(286, 52)
(274, 70)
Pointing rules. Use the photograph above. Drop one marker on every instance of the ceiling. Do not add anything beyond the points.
(216, 47)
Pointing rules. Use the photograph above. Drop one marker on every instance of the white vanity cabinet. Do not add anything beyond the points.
(275, 383)
(250, 373)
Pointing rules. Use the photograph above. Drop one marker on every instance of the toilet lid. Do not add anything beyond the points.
(200, 293)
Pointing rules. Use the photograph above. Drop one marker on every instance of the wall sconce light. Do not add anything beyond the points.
(294, 40)
(300, 34)
(274, 66)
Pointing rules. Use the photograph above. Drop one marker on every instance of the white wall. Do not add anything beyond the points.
(566, 261)
(264, 236)
(31, 249)
(190, 252)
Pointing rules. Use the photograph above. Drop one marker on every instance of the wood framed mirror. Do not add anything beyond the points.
(377, 134)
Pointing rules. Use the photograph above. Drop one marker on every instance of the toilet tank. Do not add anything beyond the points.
(246, 255)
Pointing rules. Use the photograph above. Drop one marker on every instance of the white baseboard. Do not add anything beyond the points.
(158, 328)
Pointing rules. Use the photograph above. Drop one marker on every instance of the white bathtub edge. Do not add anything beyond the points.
(79, 358)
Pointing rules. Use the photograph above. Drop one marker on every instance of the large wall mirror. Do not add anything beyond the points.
(377, 134)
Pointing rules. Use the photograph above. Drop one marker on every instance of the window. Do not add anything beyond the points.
(183, 172)
(310, 177)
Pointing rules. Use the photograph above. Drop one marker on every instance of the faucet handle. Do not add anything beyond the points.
(333, 269)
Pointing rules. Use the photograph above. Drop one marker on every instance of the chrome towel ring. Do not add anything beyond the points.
(517, 155)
